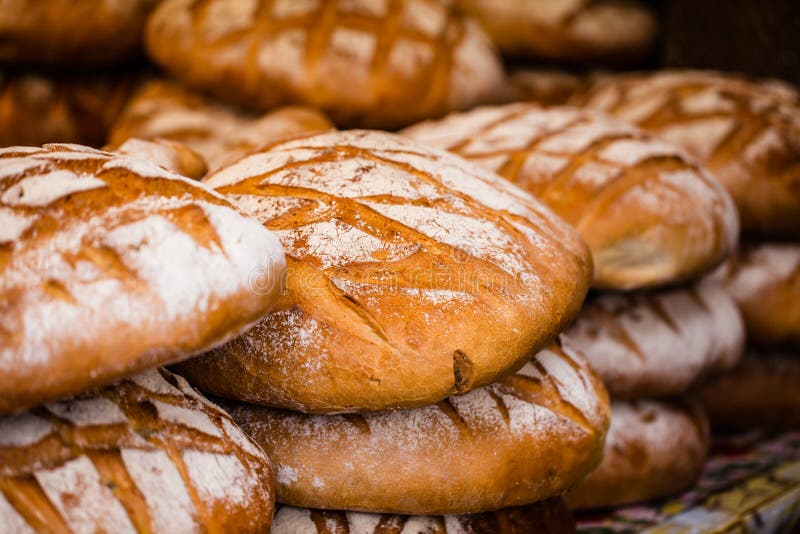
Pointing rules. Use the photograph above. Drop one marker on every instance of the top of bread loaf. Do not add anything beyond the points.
(109, 265)
(370, 63)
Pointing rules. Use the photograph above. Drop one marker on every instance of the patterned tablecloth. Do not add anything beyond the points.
(750, 484)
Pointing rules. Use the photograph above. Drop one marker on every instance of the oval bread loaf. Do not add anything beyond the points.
(412, 275)
(649, 214)
(529, 437)
(110, 265)
(148, 454)
(370, 63)
(659, 343)
(747, 133)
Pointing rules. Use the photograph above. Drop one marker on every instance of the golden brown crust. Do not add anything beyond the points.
(761, 392)
(650, 215)
(653, 449)
(576, 30)
(412, 275)
(371, 63)
(526, 438)
(747, 133)
(546, 517)
(110, 265)
(36, 109)
(65, 32)
(146, 455)
(220, 133)
(171, 155)
(658, 343)
(545, 87)
(764, 280)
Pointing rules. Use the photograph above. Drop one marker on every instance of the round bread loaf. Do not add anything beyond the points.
(529, 437)
(653, 449)
(660, 343)
(412, 275)
(761, 392)
(546, 517)
(369, 63)
(573, 30)
(764, 280)
(148, 454)
(171, 155)
(545, 87)
(221, 134)
(746, 133)
(110, 265)
(59, 33)
(35, 109)
(649, 214)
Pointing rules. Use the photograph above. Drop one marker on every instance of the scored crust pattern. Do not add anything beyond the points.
(745, 132)
(412, 275)
(649, 214)
(526, 438)
(111, 265)
(372, 63)
(146, 455)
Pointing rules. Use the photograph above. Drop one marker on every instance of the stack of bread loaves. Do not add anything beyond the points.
(652, 217)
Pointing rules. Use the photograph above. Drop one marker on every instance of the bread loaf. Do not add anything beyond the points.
(653, 449)
(110, 265)
(746, 133)
(545, 87)
(36, 109)
(546, 517)
(171, 155)
(60, 33)
(412, 275)
(370, 63)
(219, 133)
(762, 392)
(526, 438)
(764, 280)
(146, 455)
(649, 214)
(571, 30)
(659, 343)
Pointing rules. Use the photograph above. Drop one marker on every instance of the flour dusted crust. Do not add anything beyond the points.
(650, 215)
(761, 392)
(368, 63)
(65, 32)
(546, 517)
(747, 133)
(653, 449)
(764, 280)
(526, 438)
(412, 275)
(148, 454)
(110, 265)
(221, 134)
(37, 109)
(171, 155)
(659, 343)
(573, 30)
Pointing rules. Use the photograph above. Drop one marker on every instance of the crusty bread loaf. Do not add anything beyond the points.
(573, 30)
(146, 455)
(110, 265)
(761, 392)
(221, 134)
(546, 517)
(545, 87)
(526, 438)
(747, 133)
(650, 215)
(370, 63)
(412, 275)
(764, 280)
(36, 109)
(58, 33)
(653, 449)
(171, 155)
(659, 343)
